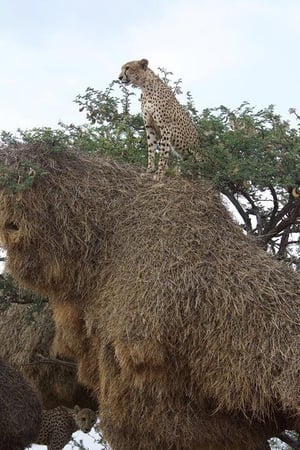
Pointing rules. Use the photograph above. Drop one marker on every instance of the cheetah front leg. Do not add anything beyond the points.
(59, 439)
(152, 146)
(165, 147)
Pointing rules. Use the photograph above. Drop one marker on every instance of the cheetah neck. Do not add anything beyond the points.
(151, 82)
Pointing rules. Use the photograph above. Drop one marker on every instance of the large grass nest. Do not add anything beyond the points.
(26, 338)
(33, 175)
(20, 409)
(187, 331)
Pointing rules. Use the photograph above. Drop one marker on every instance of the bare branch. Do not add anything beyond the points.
(254, 210)
(40, 359)
(275, 207)
(292, 210)
(239, 208)
(284, 242)
(279, 216)
(22, 301)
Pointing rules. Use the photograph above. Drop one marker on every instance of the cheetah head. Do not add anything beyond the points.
(134, 72)
(85, 418)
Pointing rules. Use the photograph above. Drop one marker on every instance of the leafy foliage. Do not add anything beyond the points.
(118, 132)
(254, 159)
(11, 293)
(26, 176)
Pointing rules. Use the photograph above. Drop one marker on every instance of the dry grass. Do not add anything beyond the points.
(187, 331)
(23, 341)
(20, 410)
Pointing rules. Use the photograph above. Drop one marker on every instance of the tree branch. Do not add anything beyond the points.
(276, 206)
(23, 301)
(279, 216)
(284, 242)
(241, 211)
(292, 209)
(40, 359)
(254, 210)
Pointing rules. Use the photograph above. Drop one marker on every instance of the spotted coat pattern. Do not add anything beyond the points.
(167, 123)
(60, 423)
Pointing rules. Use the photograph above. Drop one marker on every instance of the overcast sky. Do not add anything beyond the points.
(226, 51)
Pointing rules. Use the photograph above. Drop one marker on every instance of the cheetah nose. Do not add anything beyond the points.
(121, 77)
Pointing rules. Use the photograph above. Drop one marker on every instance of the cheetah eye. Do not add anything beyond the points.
(126, 69)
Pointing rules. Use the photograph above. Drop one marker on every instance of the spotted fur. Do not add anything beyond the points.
(167, 123)
(60, 423)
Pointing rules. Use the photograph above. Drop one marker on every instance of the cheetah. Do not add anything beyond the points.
(60, 423)
(166, 122)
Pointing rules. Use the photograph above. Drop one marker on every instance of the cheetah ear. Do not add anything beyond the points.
(144, 63)
(76, 408)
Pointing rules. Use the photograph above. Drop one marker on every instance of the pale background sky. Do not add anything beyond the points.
(226, 51)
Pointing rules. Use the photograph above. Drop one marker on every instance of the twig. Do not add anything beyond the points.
(44, 360)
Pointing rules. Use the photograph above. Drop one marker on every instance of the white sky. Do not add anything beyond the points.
(226, 51)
